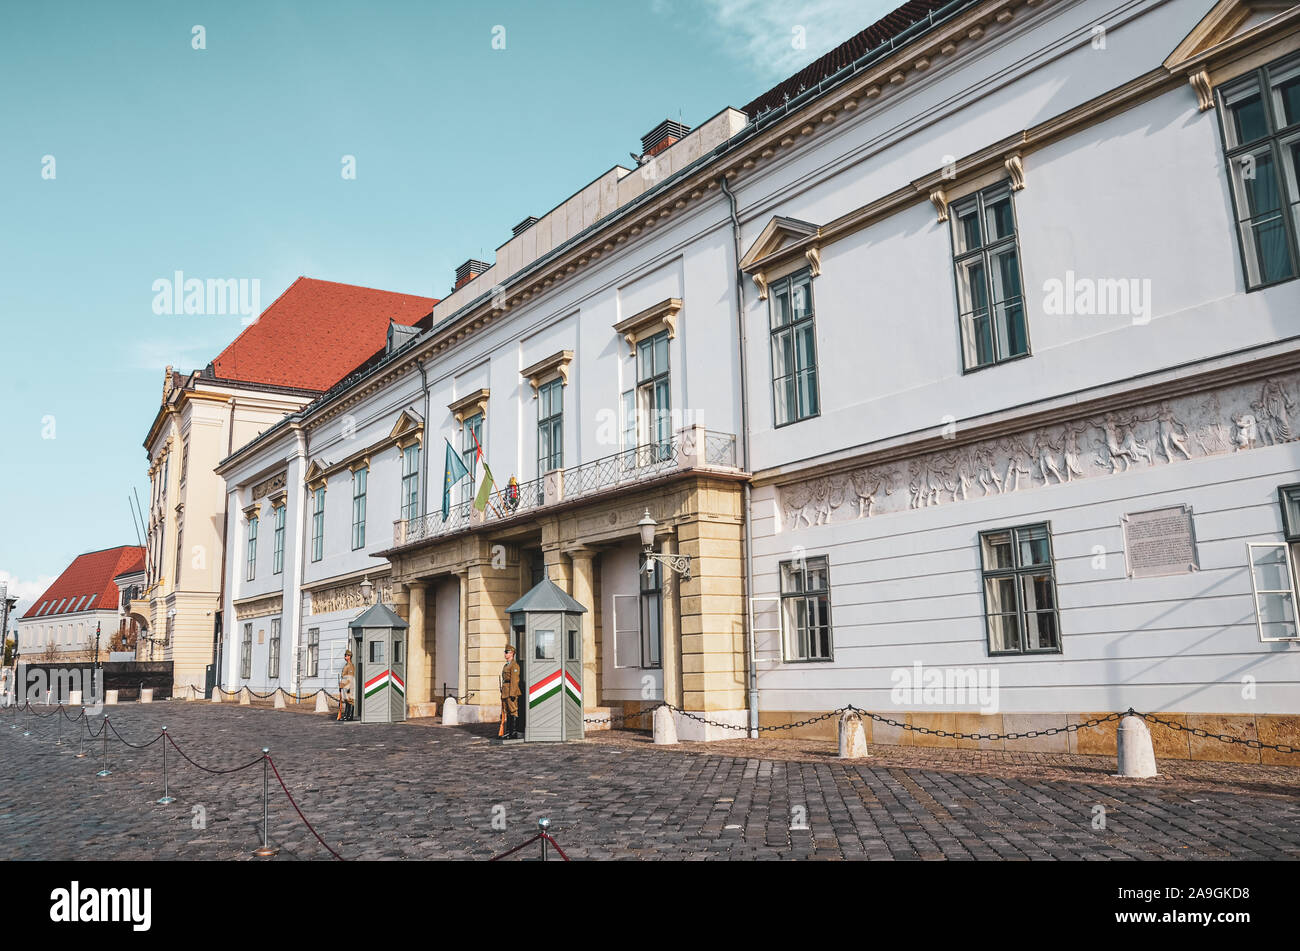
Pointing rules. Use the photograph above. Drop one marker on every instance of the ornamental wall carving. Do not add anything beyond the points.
(1161, 433)
(261, 607)
(346, 597)
(267, 486)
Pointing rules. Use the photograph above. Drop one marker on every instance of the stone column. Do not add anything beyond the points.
(671, 649)
(712, 607)
(417, 654)
(583, 591)
(462, 638)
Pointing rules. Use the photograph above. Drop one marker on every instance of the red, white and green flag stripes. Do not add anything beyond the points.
(380, 681)
(544, 689)
(550, 685)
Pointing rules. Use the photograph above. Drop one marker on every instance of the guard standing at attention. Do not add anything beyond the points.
(347, 684)
(509, 697)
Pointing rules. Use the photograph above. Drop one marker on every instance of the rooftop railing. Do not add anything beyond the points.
(691, 448)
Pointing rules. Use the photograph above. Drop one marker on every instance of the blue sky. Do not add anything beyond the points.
(225, 163)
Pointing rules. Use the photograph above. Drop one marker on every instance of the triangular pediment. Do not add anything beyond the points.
(314, 472)
(778, 233)
(1228, 20)
(408, 421)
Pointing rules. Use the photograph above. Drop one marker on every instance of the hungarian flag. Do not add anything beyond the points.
(455, 471)
(484, 489)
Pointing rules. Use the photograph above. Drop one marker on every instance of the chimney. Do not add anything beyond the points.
(524, 225)
(662, 136)
(467, 272)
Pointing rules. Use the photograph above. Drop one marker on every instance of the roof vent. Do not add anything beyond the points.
(468, 271)
(662, 136)
(524, 225)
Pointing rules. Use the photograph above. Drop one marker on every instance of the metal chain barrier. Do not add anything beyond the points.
(544, 837)
(1221, 737)
(294, 803)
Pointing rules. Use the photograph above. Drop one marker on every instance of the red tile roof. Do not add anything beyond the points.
(882, 31)
(87, 583)
(316, 333)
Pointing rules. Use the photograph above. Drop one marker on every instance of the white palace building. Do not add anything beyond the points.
(963, 368)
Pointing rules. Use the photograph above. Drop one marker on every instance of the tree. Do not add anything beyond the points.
(10, 652)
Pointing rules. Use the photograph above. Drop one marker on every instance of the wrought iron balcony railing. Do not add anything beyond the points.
(691, 448)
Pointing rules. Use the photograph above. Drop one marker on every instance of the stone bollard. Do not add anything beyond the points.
(216, 695)
(74, 698)
(322, 703)
(853, 738)
(244, 699)
(1136, 755)
(110, 697)
(146, 694)
(450, 712)
(665, 727)
(279, 699)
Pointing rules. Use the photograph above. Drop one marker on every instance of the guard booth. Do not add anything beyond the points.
(546, 632)
(379, 656)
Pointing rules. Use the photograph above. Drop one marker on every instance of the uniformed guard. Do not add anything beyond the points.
(509, 697)
(347, 683)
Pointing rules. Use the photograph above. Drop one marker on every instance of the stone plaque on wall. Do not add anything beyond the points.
(1159, 542)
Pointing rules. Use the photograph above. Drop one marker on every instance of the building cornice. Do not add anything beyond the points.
(1101, 399)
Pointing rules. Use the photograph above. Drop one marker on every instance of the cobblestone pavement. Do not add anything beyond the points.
(413, 790)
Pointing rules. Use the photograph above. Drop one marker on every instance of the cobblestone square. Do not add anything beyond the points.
(422, 791)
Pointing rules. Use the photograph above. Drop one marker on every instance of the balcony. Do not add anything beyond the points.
(690, 449)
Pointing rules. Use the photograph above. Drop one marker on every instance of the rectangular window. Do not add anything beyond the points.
(185, 460)
(246, 652)
(806, 609)
(651, 615)
(653, 405)
(313, 652)
(1020, 590)
(251, 573)
(627, 630)
(318, 523)
(411, 481)
(550, 426)
(359, 479)
(794, 349)
(273, 651)
(1260, 118)
(180, 545)
(277, 552)
(470, 431)
(1273, 584)
(986, 260)
(376, 652)
(543, 645)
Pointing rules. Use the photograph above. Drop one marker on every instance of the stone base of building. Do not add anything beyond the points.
(1097, 740)
(417, 710)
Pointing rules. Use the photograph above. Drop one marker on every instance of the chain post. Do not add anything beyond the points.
(265, 851)
(167, 798)
(104, 770)
(81, 738)
(543, 825)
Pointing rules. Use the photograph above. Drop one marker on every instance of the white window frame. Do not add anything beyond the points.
(1289, 591)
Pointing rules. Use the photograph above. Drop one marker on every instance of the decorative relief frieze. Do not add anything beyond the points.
(267, 486)
(1162, 433)
(261, 607)
(347, 597)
